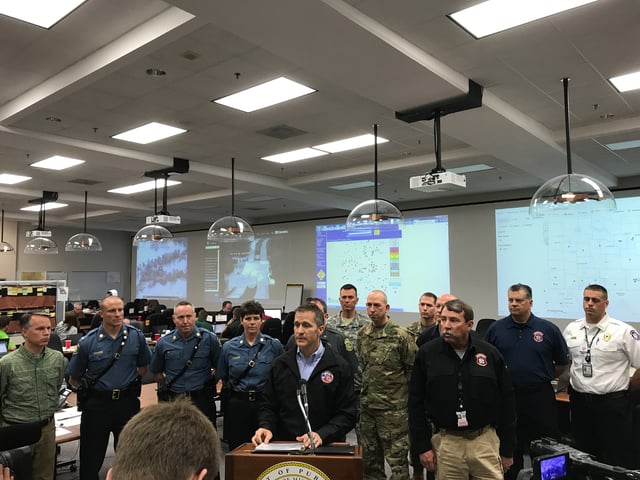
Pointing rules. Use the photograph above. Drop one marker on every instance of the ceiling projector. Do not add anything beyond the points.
(161, 219)
(438, 182)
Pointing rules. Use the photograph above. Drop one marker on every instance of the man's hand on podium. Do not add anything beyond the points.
(317, 441)
(262, 435)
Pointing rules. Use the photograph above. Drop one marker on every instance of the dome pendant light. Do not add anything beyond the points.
(153, 231)
(230, 228)
(572, 193)
(376, 212)
(5, 247)
(41, 242)
(83, 242)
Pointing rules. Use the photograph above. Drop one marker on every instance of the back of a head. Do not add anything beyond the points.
(167, 441)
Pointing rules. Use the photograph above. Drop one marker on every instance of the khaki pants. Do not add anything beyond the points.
(44, 454)
(460, 458)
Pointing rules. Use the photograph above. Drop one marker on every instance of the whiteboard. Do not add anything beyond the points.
(293, 296)
(87, 285)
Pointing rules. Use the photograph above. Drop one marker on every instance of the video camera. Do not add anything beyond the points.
(556, 461)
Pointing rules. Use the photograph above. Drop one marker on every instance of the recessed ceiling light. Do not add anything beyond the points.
(43, 13)
(626, 83)
(494, 16)
(57, 162)
(295, 155)
(47, 206)
(349, 143)
(143, 187)
(155, 72)
(9, 179)
(264, 95)
(352, 186)
(629, 144)
(151, 132)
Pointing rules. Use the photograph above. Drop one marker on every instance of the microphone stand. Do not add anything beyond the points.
(303, 403)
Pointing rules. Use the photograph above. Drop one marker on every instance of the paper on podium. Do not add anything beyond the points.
(280, 447)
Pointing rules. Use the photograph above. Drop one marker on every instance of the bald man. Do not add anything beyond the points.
(433, 331)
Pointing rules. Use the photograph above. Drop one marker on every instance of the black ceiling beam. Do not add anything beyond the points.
(180, 165)
(473, 99)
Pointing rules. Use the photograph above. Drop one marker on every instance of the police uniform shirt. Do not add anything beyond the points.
(530, 349)
(95, 353)
(236, 355)
(615, 347)
(172, 353)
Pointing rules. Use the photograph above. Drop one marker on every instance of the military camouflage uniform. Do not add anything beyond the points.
(350, 333)
(386, 356)
(415, 329)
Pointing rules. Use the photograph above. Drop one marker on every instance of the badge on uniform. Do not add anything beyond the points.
(481, 359)
(587, 370)
(635, 335)
(462, 418)
(348, 345)
(326, 376)
(538, 337)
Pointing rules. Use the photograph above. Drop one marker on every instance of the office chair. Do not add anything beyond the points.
(483, 325)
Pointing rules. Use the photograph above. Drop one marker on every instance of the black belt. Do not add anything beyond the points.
(115, 394)
(466, 434)
(194, 393)
(250, 396)
(599, 397)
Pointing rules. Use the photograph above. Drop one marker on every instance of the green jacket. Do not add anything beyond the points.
(29, 385)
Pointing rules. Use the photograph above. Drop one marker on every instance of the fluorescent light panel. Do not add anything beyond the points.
(470, 168)
(349, 143)
(623, 145)
(10, 179)
(57, 162)
(494, 16)
(44, 13)
(295, 155)
(143, 187)
(626, 83)
(151, 132)
(352, 186)
(266, 94)
(47, 206)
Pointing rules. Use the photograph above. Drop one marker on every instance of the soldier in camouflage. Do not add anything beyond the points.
(427, 311)
(386, 353)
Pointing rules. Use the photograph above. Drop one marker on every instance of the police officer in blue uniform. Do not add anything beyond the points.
(107, 367)
(257, 351)
(192, 347)
(535, 353)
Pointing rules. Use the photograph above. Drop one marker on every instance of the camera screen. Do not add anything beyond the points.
(553, 467)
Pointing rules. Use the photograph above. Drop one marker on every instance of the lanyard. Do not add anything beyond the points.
(587, 356)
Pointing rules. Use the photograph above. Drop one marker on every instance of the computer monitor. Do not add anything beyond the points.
(551, 467)
(4, 346)
(273, 312)
(219, 327)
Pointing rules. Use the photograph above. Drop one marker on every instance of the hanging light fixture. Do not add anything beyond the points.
(230, 228)
(40, 239)
(83, 242)
(153, 231)
(573, 192)
(5, 247)
(376, 212)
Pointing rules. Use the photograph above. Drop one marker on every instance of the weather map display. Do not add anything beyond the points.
(402, 260)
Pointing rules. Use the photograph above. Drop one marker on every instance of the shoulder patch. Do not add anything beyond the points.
(348, 345)
(635, 335)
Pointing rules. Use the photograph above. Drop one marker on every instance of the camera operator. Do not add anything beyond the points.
(30, 378)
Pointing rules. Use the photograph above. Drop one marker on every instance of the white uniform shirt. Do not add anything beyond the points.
(615, 348)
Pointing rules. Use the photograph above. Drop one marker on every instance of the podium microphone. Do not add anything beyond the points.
(303, 403)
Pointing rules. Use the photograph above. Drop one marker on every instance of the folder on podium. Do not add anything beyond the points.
(331, 462)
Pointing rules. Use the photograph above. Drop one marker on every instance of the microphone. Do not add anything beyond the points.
(21, 435)
(303, 403)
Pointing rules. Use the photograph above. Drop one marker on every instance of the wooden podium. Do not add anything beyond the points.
(242, 464)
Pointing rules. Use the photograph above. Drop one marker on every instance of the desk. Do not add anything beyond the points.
(72, 425)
